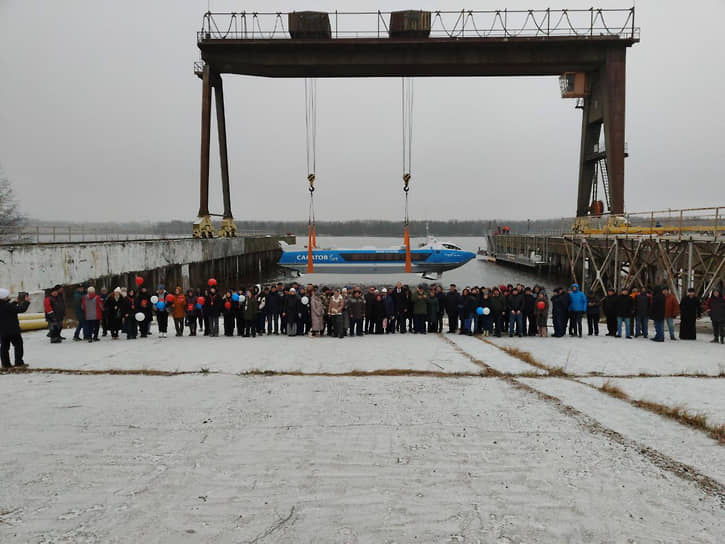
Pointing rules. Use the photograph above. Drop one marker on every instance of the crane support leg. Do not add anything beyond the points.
(614, 109)
(202, 226)
(228, 228)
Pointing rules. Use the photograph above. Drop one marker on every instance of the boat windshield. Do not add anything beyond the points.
(448, 245)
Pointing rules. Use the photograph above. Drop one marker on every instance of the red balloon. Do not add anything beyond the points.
(139, 281)
(170, 298)
(541, 305)
(228, 305)
(201, 300)
(190, 307)
(144, 302)
(212, 282)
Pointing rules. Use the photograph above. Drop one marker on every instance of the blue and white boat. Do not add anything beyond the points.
(432, 257)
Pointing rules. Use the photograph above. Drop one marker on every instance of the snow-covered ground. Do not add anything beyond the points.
(620, 356)
(237, 354)
(309, 459)
(698, 395)
(227, 458)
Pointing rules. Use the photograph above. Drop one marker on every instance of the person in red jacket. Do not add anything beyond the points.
(92, 306)
(54, 307)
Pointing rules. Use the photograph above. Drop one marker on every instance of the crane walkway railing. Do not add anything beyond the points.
(464, 23)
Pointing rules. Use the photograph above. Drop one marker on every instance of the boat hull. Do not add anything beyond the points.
(375, 261)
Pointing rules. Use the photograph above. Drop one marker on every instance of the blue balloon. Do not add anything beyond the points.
(198, 306)
(160, 305)
(235, 297)
(479, 310)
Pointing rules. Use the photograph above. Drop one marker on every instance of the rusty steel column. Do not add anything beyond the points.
(591, 129)
(205, 136)
(222, 131)
(613, 85)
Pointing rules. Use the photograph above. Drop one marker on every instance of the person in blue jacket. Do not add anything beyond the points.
(577, 307)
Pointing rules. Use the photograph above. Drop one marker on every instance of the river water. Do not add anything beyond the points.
(475, 272)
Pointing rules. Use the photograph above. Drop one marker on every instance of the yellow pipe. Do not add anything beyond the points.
(30, 317)
(33, 324)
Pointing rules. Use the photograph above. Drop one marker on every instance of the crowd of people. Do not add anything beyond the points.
(297, 310)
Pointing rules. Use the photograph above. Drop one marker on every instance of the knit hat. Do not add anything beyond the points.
(117, 290)
(4, 294)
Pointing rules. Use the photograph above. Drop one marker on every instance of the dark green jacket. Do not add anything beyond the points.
(420, 302)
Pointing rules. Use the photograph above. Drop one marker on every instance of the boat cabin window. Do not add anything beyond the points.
(398, 257)
(451, 246)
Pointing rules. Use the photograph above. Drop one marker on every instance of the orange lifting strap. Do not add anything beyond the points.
(310, 265)
(408, 264)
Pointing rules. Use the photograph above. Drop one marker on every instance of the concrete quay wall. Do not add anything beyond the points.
(186, 261)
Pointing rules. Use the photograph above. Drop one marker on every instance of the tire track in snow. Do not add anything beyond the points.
(682, 470)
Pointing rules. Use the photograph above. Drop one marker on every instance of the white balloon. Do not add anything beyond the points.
(305, 300)
(140, 316)
(154, 299)
(241, 298)
(486, 311)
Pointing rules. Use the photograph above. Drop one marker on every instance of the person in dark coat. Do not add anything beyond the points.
(451, 302)
(54, 311)
(642, 303)
(389, 304)
(290, 310)
(717, 316)
(529, 319)
(625, 310)
(251, 307)
(273, 307)
(559, 311)
(360, 310)
(657, 311)
(213, 308)
(78, 295)
(690, 311)
(112, 312)
(515, 305)
(229, 316)
(128, 313)
(192, 312)
(498, 309)
(401, 296)
(467, 311)
(367, 312)
(10, 328)
(143, 305)
(378, 313)
(609, 306)
(592, 315)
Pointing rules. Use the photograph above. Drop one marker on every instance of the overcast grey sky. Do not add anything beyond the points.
(100, 119)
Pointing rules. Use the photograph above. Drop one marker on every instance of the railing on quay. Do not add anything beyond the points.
(64, 234)
(542, 23)
(697, 223)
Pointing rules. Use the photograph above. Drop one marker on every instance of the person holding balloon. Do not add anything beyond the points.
(541, 313)
(213, 309)
(143, 305)
(237, 300)
(228, 314)
(485, 318)
(159, 304)
(190, 311)
(128, 314)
